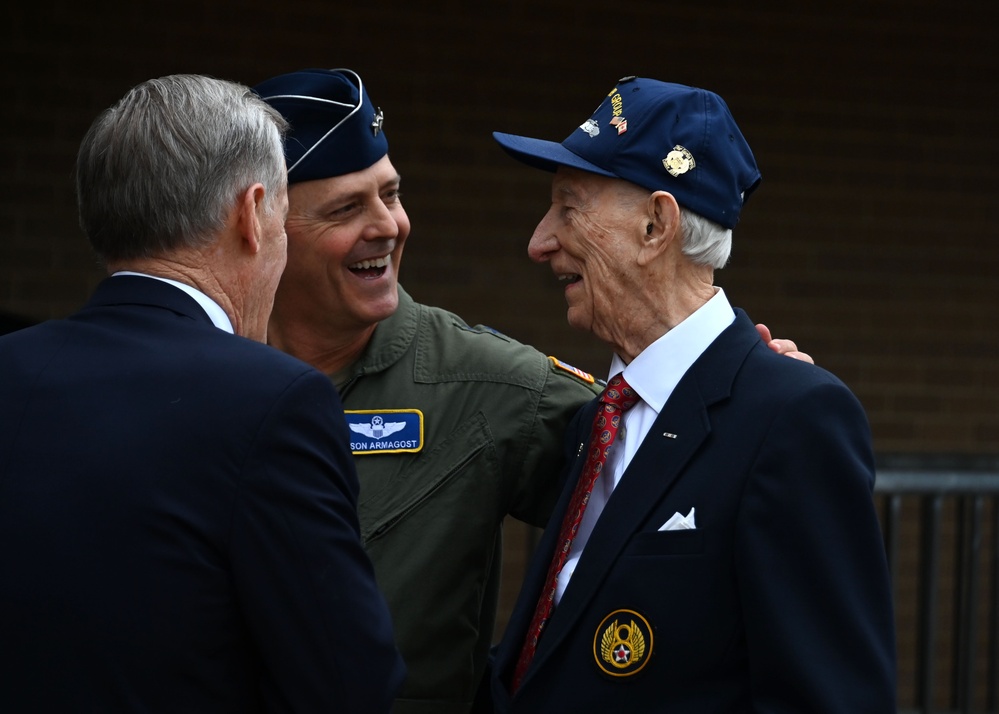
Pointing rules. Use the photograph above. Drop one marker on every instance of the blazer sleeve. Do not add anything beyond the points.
(301, 575)
(811, 563)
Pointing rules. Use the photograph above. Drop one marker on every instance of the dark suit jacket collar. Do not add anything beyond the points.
(657, 464)
(140, 290)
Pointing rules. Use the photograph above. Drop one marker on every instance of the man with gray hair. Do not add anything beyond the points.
(177, 499)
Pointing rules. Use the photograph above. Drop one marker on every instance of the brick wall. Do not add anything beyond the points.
(872, 241)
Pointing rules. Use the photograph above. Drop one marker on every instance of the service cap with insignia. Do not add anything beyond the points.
(669, 137)
(335, 129)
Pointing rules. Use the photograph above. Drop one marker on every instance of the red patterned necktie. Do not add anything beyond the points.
(616, 398)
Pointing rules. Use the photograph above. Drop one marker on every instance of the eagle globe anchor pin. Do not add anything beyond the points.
(622, 643)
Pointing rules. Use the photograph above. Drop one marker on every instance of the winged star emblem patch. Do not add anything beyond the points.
(622, 643)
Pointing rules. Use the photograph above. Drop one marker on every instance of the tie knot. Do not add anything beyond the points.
(619, 393)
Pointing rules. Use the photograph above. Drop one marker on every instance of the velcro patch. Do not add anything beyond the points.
(385, 431)
(585, 376)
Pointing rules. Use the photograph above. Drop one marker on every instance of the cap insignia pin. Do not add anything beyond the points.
(678, 161)
(376, 123)
(621, 123)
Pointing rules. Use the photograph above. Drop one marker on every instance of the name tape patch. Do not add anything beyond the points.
(385, 431)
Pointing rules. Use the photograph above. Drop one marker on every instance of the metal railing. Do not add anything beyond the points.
(940, 519)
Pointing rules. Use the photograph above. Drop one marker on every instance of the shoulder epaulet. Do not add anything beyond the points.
(482, 330)
(559, 364)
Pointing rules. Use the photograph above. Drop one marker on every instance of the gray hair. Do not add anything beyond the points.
(162, 168)
(704, 241)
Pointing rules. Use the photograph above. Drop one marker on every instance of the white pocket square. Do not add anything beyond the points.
(679, 522)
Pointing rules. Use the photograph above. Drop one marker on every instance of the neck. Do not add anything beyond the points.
(328, 350)
(192, 269)
(660, 311)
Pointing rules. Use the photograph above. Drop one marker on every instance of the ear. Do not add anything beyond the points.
(248, 210)
(662, 227)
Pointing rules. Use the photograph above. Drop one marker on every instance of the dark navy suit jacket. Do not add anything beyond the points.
(177, 521)
(778, 601)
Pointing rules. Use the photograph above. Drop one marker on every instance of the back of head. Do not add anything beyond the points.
(161, 169)
(334, 129)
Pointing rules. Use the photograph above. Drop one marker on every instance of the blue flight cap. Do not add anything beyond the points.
(663, 137)
(335, 129)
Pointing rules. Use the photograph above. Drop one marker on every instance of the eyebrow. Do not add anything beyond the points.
(566, 190)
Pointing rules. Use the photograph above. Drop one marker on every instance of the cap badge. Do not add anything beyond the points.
(679, 161)
(591, 127)
(376, 123)
(621, 123)
(622, 643)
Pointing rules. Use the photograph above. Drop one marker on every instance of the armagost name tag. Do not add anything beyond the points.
(385, 431)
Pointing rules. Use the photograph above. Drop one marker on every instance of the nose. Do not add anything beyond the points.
(544, 242)
(382, 224)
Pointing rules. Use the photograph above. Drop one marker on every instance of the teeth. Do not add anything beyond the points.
(568, 278)
(367, 264)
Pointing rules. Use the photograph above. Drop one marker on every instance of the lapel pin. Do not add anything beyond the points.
(669, 435)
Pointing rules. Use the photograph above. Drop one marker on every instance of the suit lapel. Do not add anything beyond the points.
(537, 572)
(656, 466)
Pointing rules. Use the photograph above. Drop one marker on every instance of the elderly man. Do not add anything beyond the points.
(716, 547)
(177, 502)
(453, 426)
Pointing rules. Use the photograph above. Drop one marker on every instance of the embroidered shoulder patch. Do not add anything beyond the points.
(585, 376)
(385, 431)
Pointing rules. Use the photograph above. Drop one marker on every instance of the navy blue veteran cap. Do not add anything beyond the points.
(335, 129)
(663, 137)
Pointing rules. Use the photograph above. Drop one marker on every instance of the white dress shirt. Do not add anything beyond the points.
(215, 312)
(653, 374)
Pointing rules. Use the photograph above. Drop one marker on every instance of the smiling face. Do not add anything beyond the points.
(345, 240)
(592, 236)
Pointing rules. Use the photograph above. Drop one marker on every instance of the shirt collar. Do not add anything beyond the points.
(656, 371)
(215, 313)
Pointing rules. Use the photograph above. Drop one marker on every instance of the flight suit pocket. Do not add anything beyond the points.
(428, 474)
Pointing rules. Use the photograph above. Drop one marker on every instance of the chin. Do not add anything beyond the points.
(577, 321)
(384, 307)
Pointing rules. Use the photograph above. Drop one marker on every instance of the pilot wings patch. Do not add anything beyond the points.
(385, 431)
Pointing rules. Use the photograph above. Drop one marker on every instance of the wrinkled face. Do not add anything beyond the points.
(591, 236)
(345, 241)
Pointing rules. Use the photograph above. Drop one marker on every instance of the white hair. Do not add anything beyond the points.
(704, 241)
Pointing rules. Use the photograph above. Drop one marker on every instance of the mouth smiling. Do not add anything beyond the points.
(569, 278)
(371, 268)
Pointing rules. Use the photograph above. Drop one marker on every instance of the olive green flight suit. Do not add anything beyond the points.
(494, 411)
